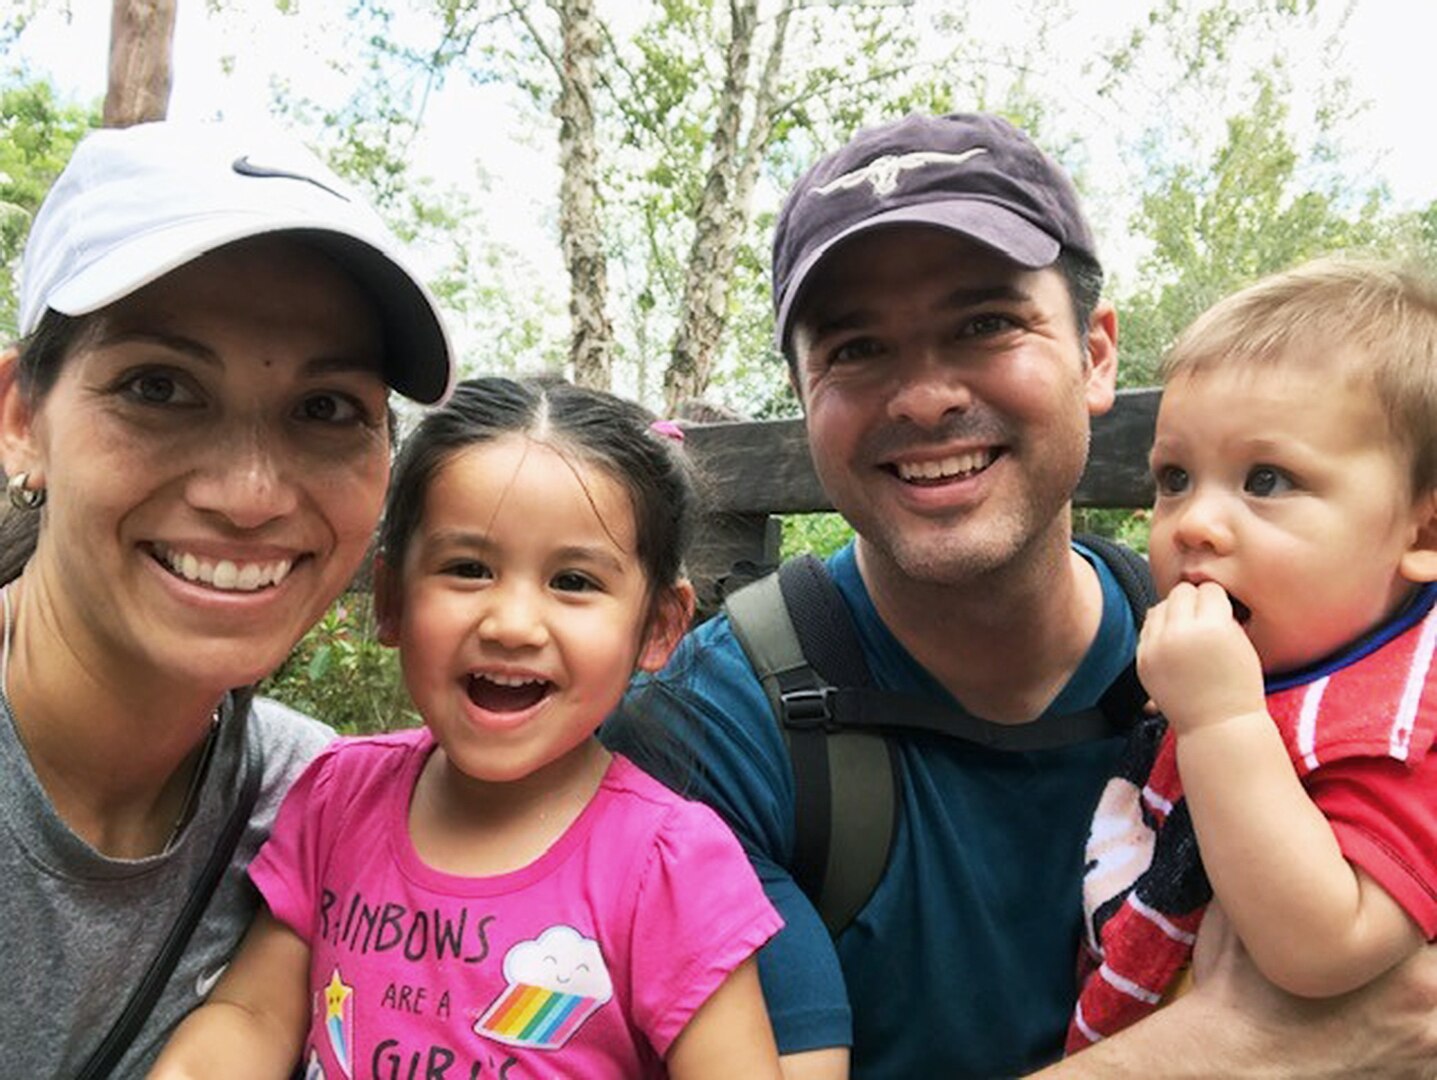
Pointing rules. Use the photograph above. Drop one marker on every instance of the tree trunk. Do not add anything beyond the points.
(141, 42)
(724, 206)
(592, 341)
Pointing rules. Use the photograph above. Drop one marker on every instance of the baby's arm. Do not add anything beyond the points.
(1313, 924)
(729, 1035)
(253, 1023)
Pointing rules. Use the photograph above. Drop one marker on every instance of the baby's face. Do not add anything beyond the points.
(1286, 487)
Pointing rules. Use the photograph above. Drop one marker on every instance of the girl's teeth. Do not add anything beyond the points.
(512, 680)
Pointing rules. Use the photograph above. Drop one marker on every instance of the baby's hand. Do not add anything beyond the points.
(1196, 662)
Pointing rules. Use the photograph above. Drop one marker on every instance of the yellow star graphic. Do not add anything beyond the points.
(334, 996)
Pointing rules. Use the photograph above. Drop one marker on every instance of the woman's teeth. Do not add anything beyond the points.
(225, 574)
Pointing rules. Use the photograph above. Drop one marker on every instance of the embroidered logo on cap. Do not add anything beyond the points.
(245, 167)
(883, 173)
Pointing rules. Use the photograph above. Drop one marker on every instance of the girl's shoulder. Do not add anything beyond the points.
(627, 782)
(351, 764)
(367, 753)
(676, 826)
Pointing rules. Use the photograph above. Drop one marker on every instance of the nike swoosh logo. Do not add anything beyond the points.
(245, 167)
(205, 982)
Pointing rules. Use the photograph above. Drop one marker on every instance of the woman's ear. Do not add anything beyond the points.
(17, 445)
(673, 611)
(1419, 563)
(388, 601)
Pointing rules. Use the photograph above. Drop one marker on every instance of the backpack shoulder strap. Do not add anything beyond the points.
(1123, 701)
(1130, 568)
(797, 633)
(800, 638)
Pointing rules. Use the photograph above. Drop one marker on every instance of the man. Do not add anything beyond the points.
(937, 294)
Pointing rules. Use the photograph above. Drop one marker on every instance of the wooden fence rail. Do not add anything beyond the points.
(754, 470)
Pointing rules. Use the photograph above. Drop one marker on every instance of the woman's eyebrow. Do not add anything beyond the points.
(174, 342)
(320, 365)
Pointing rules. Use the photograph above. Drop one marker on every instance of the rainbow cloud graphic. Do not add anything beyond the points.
(555, 982)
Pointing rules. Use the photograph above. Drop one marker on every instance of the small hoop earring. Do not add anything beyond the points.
(21, 495)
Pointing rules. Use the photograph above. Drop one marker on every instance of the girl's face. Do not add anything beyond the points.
(215, 451)
(521, 609)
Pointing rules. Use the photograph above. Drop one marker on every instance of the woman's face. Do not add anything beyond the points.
(215, 452)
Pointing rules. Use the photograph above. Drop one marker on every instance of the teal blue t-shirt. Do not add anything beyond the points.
(962, 964)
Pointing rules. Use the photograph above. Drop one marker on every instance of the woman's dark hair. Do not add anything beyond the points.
(42, 354)
(596, 428)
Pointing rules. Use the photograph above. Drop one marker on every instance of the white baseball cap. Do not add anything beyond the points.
(135, 203)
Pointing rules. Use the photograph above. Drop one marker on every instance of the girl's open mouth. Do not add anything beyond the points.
(500, 694)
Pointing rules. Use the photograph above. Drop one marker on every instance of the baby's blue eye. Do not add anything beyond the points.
(1264, 480)
(1170, 479)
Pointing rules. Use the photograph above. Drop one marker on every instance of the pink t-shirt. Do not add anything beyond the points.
(586, 963)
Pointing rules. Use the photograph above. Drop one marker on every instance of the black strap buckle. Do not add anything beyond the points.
(810, 708)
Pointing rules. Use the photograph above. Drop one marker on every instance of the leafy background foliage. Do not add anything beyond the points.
(1207, 150)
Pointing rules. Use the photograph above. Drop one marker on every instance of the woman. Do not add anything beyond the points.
(197, 420)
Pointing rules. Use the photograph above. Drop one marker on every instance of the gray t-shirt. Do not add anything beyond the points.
(79, 929)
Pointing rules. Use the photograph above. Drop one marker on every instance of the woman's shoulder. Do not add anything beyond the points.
(280, 725)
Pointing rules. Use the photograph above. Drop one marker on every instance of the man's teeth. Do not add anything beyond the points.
(945, 468)
(513, 680)
(225, 574)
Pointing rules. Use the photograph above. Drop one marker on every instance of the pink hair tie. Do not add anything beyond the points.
(668, 429)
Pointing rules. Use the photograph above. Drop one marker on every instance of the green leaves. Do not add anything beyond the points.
(37, 135)
(341, 674)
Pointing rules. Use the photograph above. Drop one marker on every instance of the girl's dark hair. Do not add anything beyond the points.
(595, 427)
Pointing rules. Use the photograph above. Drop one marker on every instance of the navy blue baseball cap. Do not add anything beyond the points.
(971, 173)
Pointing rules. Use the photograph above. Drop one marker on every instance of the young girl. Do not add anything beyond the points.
(495, 894)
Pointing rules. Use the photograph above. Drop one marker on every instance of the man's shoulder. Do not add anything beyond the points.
(710, 658)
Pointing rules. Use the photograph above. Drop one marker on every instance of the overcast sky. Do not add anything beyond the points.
(1388, 53)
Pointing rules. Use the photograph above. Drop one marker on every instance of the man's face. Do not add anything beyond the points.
(948, 395)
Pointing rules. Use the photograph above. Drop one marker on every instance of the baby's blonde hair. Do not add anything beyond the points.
(1380, 318)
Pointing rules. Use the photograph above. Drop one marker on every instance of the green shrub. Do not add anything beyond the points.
(341, 674)
(1126, 526)
(819, 534)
